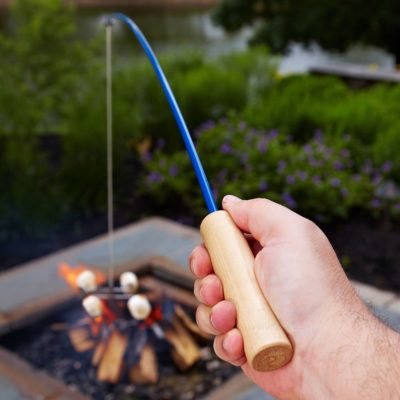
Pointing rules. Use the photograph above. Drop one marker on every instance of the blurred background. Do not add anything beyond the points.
(297, 102)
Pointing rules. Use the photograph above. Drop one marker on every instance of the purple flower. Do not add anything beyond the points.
(345, 153)
(367, 168)
(376, 203)
(244, 158)
(290, 179)
(344, 192)
(273, 134)
(302, 175)
(147, 157)
(281, 166)
(377, 179)
(242, 125)
(397, 206)
(225, 148)
(317, 180)
(209, 124)
(289, 200)
(356, 178)
(314, 162)
(263, 186)
(335, 182)
(319, 136)
(387, 166)
(173, 170)
(308, 149)
(154, 177)
(338, 165)
(262, 145)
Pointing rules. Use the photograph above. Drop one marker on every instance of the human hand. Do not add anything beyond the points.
(300, 275)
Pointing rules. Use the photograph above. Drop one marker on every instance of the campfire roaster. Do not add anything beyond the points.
(266, 345)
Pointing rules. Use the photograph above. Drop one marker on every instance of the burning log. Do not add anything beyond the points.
(98, 353)
(146, 370)
(110, 368)
(107, 318)
(185, 350)
(80, 339)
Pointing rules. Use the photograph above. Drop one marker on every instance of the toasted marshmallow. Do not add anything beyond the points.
(139, 307)
(93, 306)
(86, 281)
(129, 282)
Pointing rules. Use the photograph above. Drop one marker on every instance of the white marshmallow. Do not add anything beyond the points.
(129, 282)
(93, 306)
(86, 281)
(139, 307)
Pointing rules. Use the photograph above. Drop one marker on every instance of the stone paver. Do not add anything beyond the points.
(37, 281)
(9, 391)
(376, 297)
(394, 306)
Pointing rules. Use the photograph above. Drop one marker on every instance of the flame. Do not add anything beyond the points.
(69, 274)
(95, 325)
(107, 318)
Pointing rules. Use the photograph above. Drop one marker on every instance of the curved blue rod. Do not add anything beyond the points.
(198, 168)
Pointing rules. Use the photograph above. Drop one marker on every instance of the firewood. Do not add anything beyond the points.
(185, 350)
(98, 353)
(80, 339)
(59, 326)
(190, 324)
(110, 368)
(146, 370)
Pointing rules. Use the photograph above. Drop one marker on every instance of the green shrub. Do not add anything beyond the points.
(300, 104)
(319, 177)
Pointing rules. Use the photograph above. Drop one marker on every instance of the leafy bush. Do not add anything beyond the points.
(299, 105)
(319, 177)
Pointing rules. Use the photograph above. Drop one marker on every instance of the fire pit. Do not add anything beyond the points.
(160, 355)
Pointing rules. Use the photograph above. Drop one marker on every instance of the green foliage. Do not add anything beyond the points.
(299, 105)
(333, 24)
(40, 68)
(203, 88)
(320, 178)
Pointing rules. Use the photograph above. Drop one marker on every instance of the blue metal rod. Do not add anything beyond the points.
(198, 168)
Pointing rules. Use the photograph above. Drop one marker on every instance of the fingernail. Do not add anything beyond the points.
(191, 264)
(225, 346)
(230, 199)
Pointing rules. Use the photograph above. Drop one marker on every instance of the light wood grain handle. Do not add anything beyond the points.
(265, 343)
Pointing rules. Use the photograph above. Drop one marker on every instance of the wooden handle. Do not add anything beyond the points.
(265, 343)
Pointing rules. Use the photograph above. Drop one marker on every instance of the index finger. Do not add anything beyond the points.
(200, 262)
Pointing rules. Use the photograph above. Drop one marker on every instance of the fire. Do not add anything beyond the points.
(69, 274)
(107, 318)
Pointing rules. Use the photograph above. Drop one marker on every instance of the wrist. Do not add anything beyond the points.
(354, 356)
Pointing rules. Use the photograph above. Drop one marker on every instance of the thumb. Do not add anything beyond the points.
(263, 218)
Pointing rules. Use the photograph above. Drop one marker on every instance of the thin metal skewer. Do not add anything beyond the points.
(110, 186)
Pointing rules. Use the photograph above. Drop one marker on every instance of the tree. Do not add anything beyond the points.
(333, 24)
(41, 68)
